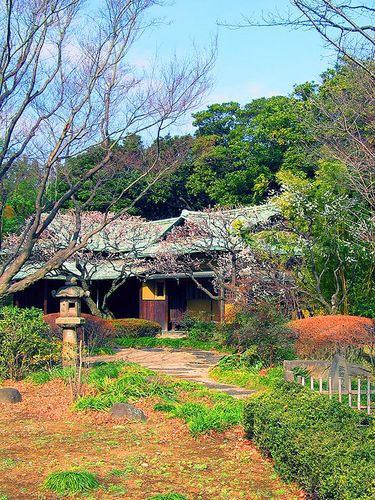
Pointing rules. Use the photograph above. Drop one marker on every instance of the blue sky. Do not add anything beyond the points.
(252, 62)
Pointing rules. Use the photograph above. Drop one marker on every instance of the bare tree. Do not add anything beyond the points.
(347, 27)
(66, 84)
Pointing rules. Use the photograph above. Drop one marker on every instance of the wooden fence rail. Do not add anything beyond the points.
(357, 392)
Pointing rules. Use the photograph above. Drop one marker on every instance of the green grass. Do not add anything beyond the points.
(202, 409)
(172, 343)
(202, 418)
(120, 382)
(168, 496)
(70, 482)
(246, 377)
(43, 376)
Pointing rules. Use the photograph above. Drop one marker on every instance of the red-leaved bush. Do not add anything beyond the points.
(97, 331)
(322, 336)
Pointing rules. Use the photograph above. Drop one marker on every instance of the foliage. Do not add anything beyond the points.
(321, 337)
(324, 446)
(120, 383)
(24, 343)
(228, 371)
(135, 328)
(199, 330)
(203, 419)
(168, 496)
(70, 482)
(263, 336)
(97, 331)
(56, 372)
(173, 343)
(328, 241)
(202, 409)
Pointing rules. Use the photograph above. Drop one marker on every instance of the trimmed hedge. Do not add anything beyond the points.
(134, 327)
(98, 331)
(324, 446)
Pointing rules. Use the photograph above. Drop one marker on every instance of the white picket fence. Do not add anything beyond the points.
(355, 397)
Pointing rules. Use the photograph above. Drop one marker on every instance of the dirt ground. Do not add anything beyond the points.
(132, 460)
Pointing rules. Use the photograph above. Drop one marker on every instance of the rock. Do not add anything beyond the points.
(10, 395)
(125, 410)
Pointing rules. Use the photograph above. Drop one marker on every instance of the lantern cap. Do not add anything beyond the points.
(70, 290)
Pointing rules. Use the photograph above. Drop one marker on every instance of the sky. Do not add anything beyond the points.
(251, 62)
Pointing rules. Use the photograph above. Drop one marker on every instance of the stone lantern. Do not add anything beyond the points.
(70, 296)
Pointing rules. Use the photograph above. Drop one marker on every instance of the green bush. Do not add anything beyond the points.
(199, 329)
(70, 482)
(262, 335)
(134, 327)
(323, 445)
(24, 343)
(98, 332)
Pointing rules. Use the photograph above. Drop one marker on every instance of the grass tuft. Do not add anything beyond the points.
(70, 482)
(168, 496)
(43, 376)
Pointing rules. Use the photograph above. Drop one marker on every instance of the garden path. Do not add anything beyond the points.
(193, 365)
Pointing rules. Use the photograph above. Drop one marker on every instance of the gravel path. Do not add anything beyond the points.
(183, 363)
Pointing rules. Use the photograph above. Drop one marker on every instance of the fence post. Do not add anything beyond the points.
(330, 387)
(312, 383)
(303, 381)
(340, 390)
(320, 385)
(359, 394)
(368, 396)
(350, 392)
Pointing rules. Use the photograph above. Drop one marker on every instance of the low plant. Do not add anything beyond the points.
(71, 482)
(134, 328)
(263, 335)
(323, 445)
(24, 343)
(57, 372)
(97, 332)
(200, 330)
(168, 496)
(202, 418)
(120, 382)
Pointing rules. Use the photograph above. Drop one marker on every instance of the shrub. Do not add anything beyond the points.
(134, 327)
(263, 335)
(97, 331)
(70, 482)
(321, 444)
(24, 343)
(203, 331)
(322, 336)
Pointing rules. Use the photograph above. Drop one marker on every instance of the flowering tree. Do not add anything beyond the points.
(67, 84)
(117, 251)
(322, 230)
(242, 268)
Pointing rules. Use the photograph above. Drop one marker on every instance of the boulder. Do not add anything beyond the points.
(10, 395)
(125, 410)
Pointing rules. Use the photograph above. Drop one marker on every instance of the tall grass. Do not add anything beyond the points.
(70, 482)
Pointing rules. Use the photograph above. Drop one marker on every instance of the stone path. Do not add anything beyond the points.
(183, 363)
